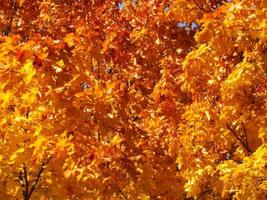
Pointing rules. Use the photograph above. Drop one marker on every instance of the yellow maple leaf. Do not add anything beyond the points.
(14, 156)
(37, 145)
(263, 134)
(30, 97)
(138, 34)
(21, 2)
(5, 98)
(28, 71)
(108, 41)
(70, 39)
(60, 63)
(116, 140)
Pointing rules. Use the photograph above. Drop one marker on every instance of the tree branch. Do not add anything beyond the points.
(36, 181)
(29, 190)
(25, 176)
(244, 145)
(246, 135)
(42, 168)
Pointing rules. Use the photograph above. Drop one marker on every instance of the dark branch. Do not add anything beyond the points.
(42, 168)
(27, 112)
(25, 176)
(244, 145)
(245, 134)
(29, 190)
(36, 180)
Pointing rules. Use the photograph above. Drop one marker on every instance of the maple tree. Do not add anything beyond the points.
(133, 99)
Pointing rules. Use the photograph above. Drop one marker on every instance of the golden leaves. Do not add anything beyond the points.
(59, 66)
(39, 146)
(21, 2)
(71, 39)
(5, 98)
(28, 71)
(116, 140)
(239, 80)
(108, 42)
(138, 34)
(80, 92)
(194, 186)
(13, 157)
(30, 97)
(250, 173)
(263, 134)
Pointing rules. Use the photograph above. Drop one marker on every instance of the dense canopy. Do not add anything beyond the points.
(150, 99)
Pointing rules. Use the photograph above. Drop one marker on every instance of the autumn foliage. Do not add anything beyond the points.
(150, 99)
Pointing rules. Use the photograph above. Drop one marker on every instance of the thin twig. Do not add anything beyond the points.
(28, 193)
(245, 133)
(238, 138)
(27, 112)
(36, 180)
(26, 182)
